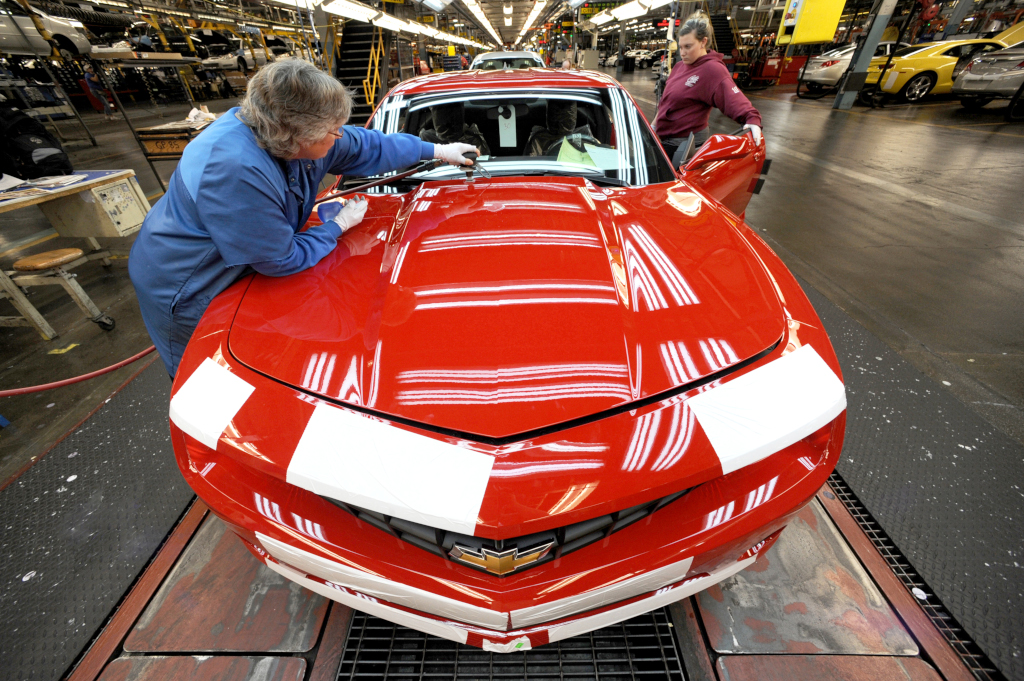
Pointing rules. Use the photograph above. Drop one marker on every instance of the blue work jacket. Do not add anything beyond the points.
(231, 206)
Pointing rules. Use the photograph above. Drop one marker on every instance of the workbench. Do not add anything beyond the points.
(107, 203)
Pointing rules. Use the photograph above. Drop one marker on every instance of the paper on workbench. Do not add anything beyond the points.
(8, 181)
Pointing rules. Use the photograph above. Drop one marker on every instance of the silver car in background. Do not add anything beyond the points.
(994, 75)
(826, 69)
(498, 61)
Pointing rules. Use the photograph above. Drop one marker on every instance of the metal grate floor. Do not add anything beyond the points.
(641, 648)
(976, 660)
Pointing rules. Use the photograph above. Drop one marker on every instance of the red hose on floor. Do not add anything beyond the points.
(76, 379)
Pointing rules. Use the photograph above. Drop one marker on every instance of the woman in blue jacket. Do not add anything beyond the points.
(245, 187)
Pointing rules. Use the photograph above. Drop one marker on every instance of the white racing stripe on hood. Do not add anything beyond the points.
(365, 462)
(770, 408)
(379, 587)
(205, 404)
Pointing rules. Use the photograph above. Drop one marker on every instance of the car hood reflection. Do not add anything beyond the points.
(509, 305)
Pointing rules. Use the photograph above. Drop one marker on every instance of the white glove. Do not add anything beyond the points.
(453, 153)
(351, 214)
(755, 131)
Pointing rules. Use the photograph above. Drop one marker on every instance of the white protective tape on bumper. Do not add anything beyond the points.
(205, 404)
(658, 600)
(372, 607)
(360, 460)
(627, 588)
(394, 592)
(769, 408)
(516, 645)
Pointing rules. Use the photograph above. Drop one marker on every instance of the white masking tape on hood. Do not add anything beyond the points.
(204, 406)
(658, 600)
(627, 588)
(372, 585)
(362, 461)
(770, 408)
(372, 607)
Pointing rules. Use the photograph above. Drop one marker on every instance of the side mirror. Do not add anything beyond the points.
(721, 148)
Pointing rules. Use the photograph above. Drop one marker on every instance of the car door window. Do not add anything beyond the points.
(15, 9)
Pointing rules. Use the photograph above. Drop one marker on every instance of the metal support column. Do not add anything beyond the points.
(855, 79)
(622, 50)
(960, 11)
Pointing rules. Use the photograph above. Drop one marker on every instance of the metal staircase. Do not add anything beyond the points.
(722, 28)
(357, 69)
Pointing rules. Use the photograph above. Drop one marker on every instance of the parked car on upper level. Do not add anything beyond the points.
(537, 401)
(995, 75)
(497, 61)
(234, 56)
(69, 35)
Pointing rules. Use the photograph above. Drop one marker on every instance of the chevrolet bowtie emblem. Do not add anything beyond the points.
(499, 562)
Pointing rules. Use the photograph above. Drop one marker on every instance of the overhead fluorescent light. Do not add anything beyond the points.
(602, 18)
(655, 4)
(576, 3)
(507, 9)
(437, 5)
(630, 10)
(508, 21)
(537, 9)
(390, 23)
(351, 10)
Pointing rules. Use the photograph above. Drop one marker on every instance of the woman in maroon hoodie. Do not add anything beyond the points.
(697, 83)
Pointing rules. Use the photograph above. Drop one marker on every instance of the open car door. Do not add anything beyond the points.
(729, 168)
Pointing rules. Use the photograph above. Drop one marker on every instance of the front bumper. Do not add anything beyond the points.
(516, 640)
(680, 549)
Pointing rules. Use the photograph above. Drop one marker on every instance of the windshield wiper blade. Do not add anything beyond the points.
(597, 177)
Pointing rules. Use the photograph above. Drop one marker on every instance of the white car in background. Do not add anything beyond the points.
(69, 36)
(498, 61)
(234, 57)
(826, 69)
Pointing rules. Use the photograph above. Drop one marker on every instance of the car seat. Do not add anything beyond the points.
(450, 126)
(561, 121)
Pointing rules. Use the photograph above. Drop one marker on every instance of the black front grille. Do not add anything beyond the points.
(640, 648)
(563, 539)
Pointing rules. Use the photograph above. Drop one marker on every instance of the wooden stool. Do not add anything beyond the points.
(51, 268)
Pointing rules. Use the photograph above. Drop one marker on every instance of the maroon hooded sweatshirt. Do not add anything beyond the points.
(690, 92)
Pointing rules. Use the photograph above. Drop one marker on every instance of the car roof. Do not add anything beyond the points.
(532, 78)
(507, 55)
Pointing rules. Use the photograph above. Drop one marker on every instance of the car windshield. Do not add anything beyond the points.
(507, 63)
(220, 49)
(905, 51)
(595, 133)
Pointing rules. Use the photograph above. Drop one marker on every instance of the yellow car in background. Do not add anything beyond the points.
(927, 68)
(931, 68)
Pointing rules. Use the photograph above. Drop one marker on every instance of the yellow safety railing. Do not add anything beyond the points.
(372, 80)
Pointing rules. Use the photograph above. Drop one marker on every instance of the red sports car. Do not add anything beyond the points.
(550, 394)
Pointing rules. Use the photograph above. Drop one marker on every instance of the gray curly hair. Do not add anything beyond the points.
(698, 24)
(290, 103)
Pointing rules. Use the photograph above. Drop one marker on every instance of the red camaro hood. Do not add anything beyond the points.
(501, 307)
